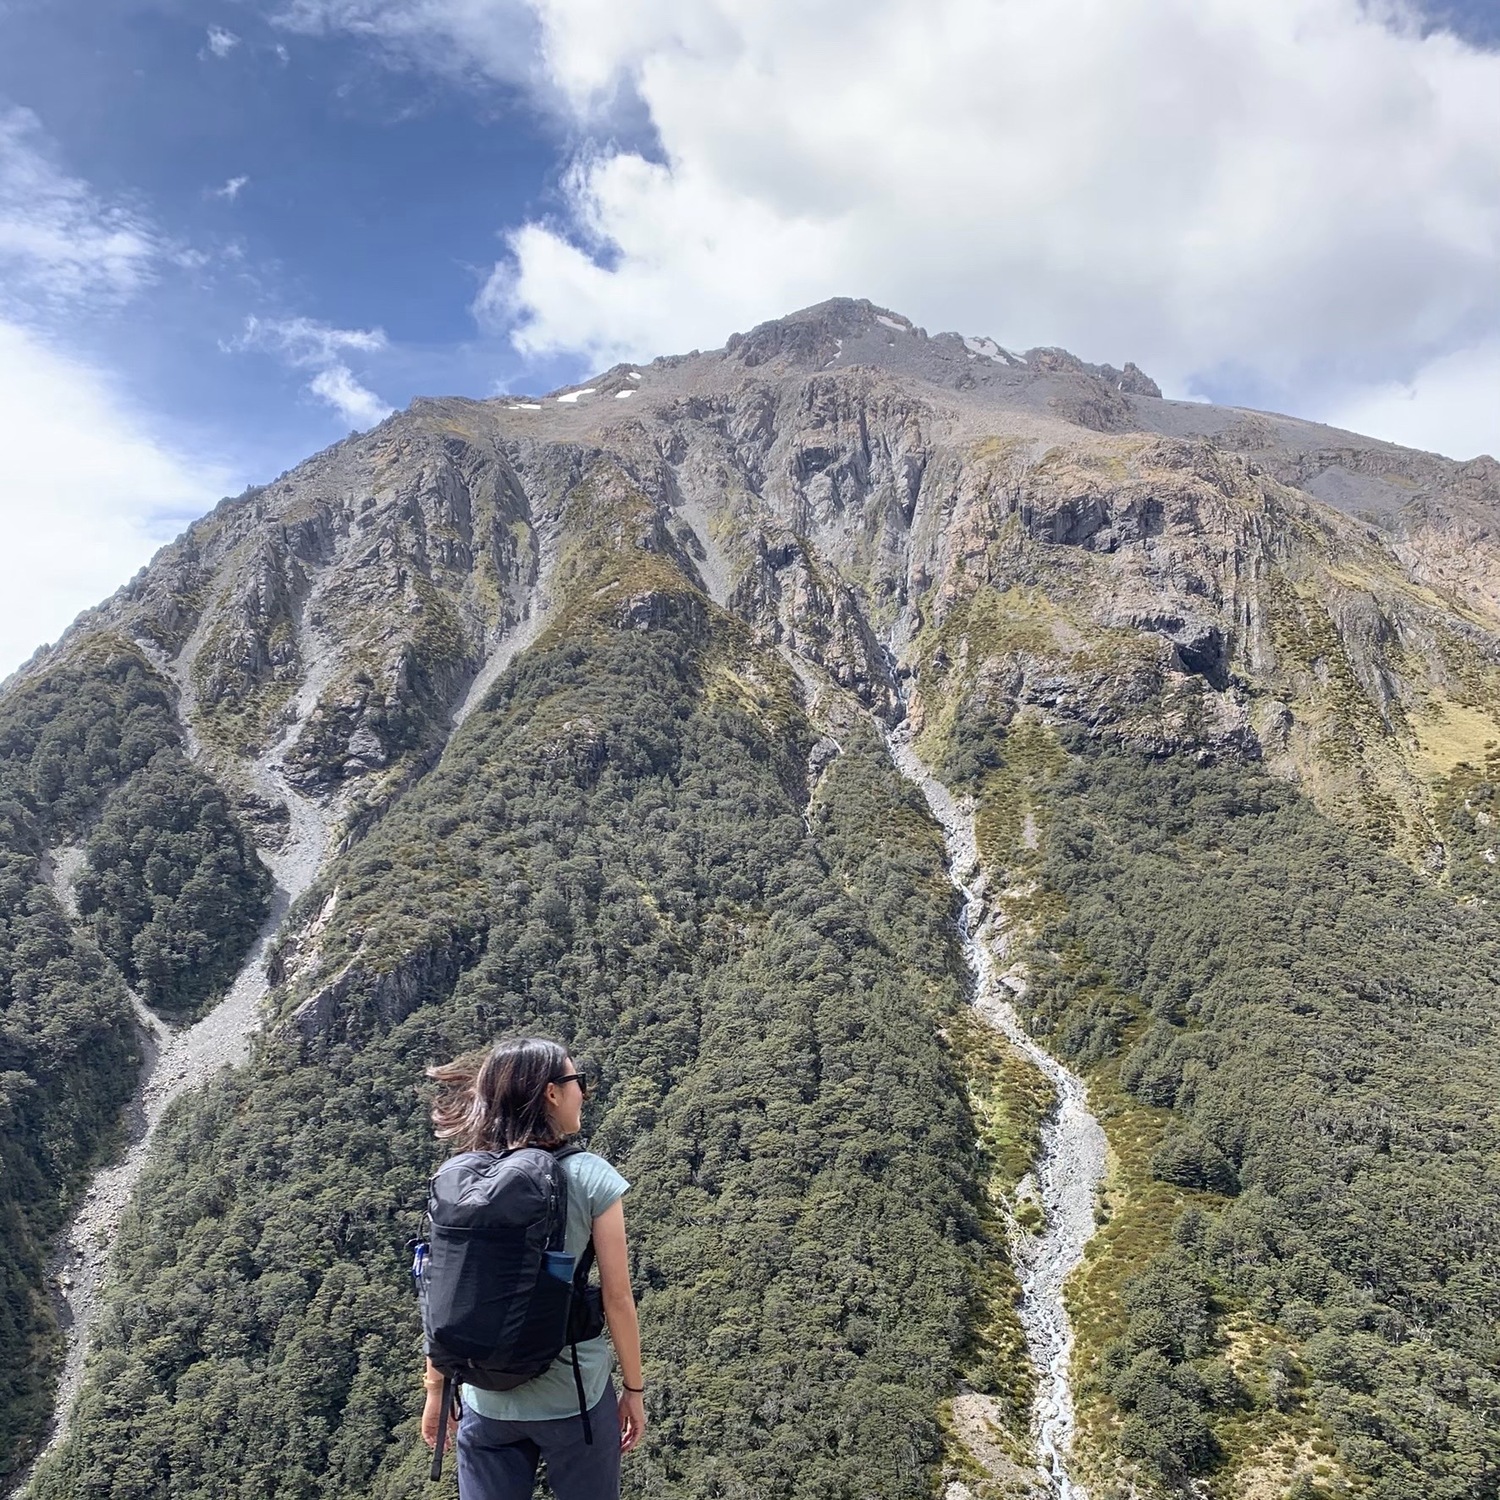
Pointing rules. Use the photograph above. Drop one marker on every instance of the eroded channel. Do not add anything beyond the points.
(176, 1061)
(1071, 1162)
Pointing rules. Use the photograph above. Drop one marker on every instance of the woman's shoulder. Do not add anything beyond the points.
(593, 1172)
(586, 1163)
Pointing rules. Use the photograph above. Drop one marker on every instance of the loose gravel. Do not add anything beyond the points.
(1071, 1163)
(531, 605)
(177, 1060)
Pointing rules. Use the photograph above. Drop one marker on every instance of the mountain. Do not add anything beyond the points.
(590, 712)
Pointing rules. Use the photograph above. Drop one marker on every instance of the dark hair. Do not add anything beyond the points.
(496, 1100)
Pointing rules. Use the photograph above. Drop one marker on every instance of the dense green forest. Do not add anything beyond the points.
(67, 1036)
(616, 848)
(95, 735)
(1325, 1027)
(72, 735)
(619, 848)
(173, 889)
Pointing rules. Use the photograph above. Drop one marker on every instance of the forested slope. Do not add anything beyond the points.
(584, 695)
(176, 899)
(1324, 1028)
(612, 850)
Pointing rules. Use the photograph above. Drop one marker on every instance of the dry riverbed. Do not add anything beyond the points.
(1071, 1163)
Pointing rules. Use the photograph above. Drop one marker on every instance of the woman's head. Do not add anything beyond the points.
(523, 1091)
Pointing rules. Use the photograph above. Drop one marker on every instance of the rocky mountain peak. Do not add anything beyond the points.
(845, 332)
(846, 484)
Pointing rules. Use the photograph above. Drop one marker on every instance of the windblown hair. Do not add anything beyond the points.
(496, 1099)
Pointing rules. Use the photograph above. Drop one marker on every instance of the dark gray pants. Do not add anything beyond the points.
(497, 1460)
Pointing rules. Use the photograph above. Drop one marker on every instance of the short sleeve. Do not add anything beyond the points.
(604, 1186)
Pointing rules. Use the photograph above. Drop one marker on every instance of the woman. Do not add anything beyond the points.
(527, 1092)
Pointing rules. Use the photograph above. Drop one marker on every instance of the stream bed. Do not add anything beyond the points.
(178, 1060)
(1071, 1162)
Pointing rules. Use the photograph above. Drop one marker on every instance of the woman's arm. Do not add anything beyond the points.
(432, 1407)
(619, 1313)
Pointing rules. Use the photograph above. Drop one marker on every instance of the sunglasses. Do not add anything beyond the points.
(578, 1078)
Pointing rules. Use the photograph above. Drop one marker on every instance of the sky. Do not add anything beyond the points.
(232, 232)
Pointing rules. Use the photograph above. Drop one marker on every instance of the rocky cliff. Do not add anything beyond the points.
(1008, 530)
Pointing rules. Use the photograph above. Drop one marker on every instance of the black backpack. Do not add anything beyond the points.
(501, 1297)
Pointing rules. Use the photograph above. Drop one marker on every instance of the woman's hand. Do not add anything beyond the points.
(632, 1419)
(432, 1414)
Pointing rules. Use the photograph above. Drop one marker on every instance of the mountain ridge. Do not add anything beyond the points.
(803, 340)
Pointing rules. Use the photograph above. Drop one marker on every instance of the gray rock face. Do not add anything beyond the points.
(1012, 532)
(370, 581)
(844, 333)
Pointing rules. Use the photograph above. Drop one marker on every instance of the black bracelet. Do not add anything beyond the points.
(635, 1390)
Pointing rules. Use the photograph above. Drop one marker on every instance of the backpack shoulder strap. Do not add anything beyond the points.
(559, 1155)
(586, 1260)
(585, 1265)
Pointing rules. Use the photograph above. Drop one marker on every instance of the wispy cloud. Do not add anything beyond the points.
(231, 189)
(89, 494)
(90, 490)
(61, 246)
(359, 406)
(494, 38)
(220, 43)
(307, 344)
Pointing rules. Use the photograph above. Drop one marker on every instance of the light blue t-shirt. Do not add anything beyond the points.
(593, 1186)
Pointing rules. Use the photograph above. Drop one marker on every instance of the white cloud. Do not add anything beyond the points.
(495, 37)
(221, 42)
(88, 496)
(358, 406)
(1305, 190)
(60, 246)
(89, 491)
(1270, 181)
(1450, 406)
(231, 189)
(306, 344)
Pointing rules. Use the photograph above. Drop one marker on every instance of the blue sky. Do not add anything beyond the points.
(231, 231)
(1477, 21)
(300, 177)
